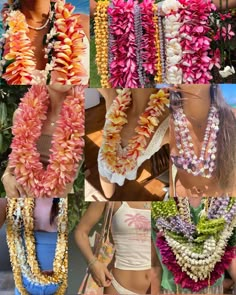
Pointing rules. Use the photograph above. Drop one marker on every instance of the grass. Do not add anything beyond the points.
(94, 78)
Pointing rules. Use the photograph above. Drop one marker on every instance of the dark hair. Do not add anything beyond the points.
(54, 210)
(226, 139)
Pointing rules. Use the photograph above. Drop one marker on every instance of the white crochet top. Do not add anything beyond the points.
(153, 146)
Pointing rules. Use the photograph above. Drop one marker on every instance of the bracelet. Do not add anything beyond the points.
(5, 174)
(92, 261)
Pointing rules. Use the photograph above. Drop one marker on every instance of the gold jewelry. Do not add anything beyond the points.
(23, 258)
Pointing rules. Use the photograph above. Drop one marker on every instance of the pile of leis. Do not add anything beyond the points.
(67, 142)
(120, 159)
(64, 48)
(197, 255)
(193, 31)
(130, 54)
(22, 245)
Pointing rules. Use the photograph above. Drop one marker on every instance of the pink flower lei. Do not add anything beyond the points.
(67, 142)
(195, 44)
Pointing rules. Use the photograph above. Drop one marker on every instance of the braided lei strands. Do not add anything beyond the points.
(121, 160)
(129, 56)
(23, 258)
(197, 255)
(64, 48)
(67, 142)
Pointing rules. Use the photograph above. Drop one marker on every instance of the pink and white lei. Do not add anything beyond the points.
(67, 142)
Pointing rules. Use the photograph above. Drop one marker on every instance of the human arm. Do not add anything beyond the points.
(93, 5)
(156, 273)
(109, 94)
(232, 270)
(91, 217)
(12, 188)
(3, 206)
(231, 4)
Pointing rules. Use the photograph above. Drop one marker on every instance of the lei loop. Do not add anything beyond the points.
(67, 142)
(64, 48)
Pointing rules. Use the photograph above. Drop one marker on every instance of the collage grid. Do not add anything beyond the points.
(117, 147)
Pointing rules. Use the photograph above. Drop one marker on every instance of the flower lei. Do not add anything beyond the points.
(197, 255)
(67, 142)
(129, 55)
(120, 160)
(64, 48)
(23, 258)
(101, 33)
(194, 32)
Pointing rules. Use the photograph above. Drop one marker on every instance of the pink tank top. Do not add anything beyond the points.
(131, 232)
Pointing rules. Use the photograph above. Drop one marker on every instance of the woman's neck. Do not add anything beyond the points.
(56, 100)
(36, 10)
(140, 98)
(197, 102)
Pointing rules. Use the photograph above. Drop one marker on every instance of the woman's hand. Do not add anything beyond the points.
(101, 274)
(12, 188)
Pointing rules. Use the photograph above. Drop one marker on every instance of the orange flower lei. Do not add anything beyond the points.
(67, 142)
(23, 258)
(121, 160)
(64, 48)
(101, 37)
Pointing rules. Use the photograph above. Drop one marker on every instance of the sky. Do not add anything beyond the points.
(82, 6)
(229, 93)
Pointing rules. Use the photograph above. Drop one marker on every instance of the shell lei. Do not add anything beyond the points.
(121, 160)
(67, 142)
(127, 43)
(23, 259)
(197, 255)
(64, 48)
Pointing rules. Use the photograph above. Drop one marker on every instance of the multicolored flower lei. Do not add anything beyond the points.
(22, 247)
(197, 39)
(121, 160)
(64, 48)
(129, 54)
(67, 142)
(197, 255)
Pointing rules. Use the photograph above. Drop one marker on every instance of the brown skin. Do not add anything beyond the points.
(57, 94)
(36, 13)
(139, 103)
(196, 107)
(136, 281)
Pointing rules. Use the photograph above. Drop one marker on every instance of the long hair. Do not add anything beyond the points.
(54, 210)
(226, 139)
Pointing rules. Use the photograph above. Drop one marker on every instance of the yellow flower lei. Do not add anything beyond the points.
(101, 41)
(121, 160)
(158, 67)
(25, 208)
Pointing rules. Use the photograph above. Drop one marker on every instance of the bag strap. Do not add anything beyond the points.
(106, 226)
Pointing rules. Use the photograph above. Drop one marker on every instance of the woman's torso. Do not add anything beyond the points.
(185, 184)
(131, 233)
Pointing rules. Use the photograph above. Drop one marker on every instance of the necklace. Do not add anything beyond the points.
(39, 28)
(196, 254)
(120, 160)
(22, 246)
(204, 165)
(67, 142)
(64, 48)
